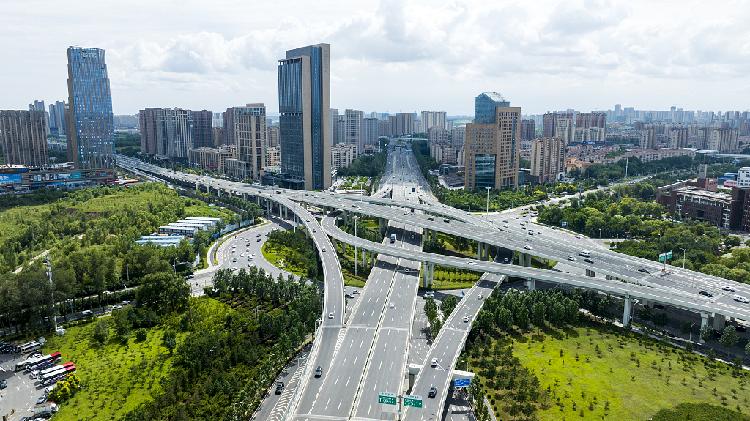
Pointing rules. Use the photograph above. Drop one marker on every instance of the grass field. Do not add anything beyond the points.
(613, 376)
(115, 378)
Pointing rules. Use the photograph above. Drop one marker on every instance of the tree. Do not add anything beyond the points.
(732, 241)
(706, 333)
(169, 340)
(448, 305)
(729, 336)
(163, 292)
(747, 348)
(101, 331)
(123, 323)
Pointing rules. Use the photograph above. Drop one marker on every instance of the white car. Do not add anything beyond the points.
(466, 319)
(572, 258)
(330, 315)
(741, 299)
(527, 247)
(434, 363)
(727, 288)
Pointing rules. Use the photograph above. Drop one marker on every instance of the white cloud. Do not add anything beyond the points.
(392, 54)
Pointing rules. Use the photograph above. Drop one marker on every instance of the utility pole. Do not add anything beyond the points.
(355, 246)
(627, 160)
(52, 291)
(488, 198)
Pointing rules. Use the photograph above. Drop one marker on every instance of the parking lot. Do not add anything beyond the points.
(18, 399)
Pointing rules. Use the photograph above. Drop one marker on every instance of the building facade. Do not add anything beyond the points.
(547, 159)
(342, 155)
(304, 98)
(491, 148)
(23, 138)
(250, 139)
(353, 134)
(203, 129)
(57, 118)
(166, 132)
(432, 119)
(370, 134)
(91, 138)
(528, 129)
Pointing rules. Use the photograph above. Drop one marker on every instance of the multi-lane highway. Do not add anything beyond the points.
(367, 355)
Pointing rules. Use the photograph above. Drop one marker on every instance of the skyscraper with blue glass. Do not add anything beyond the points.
(304, 100)
(91, 141)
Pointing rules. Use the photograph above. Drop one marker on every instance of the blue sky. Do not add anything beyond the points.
(389, 55)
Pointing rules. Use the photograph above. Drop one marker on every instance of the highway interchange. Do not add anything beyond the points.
(364, 353)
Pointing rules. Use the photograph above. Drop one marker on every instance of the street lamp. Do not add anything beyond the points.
(355, 245)
(488, 198)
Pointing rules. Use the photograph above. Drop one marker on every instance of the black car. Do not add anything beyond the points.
(3, 384)
(432, 393)
(587, 260)
(279, 388)
(643, 270)
(705, 293)
(319, 371)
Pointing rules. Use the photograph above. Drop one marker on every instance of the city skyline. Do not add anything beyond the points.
(585, 55)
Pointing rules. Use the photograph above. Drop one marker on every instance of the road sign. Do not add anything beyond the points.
(461, 382)
(387, 398)
(563, 224)
(665, 256)
(669, 255)
(413, 400)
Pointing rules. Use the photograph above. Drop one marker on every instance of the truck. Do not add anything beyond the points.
(585, 253)
(393, 238)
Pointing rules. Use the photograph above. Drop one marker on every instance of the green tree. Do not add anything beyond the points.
(163, 292)
(729, 336)
(101, 331)
(169, 340)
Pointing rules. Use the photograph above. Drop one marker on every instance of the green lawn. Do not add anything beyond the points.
(275, 253)
(633, 376)
(115, 378)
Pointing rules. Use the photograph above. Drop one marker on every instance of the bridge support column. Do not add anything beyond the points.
(530, 284)
(704, 325)
(719, 321)
(479, 250)
(590, 273)
(524, 259)
(383, 226)
(626, 311)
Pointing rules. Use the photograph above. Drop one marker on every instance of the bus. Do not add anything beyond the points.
(36, 360)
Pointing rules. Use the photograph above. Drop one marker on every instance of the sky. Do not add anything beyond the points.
(389, 55)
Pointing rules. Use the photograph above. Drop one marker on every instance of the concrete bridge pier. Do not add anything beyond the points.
(530, 284)
(524, 259)
(428, 271)
(590, 273)
(383, 226)
(719, 321)
(628, 307)
(704, 325)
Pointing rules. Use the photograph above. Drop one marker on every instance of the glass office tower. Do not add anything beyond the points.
(91, 142)
(304, 135)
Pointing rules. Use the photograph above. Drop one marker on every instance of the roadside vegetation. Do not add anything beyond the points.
(537, 357)
(629, 212)
(366, 165)
(90, 235)
(294, 252)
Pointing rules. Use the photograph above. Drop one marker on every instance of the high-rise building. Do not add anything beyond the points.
(353, 135)
(272, 138)
(217, 120)
(404, 124)
(385, 128)
(334, 127)
(166, 132)
(559, 125)
(528, 129)
(458, 136)
(678, 137)
(547, 159)
(432, 119)
(370, 134)
(250, 138)
(57, 118)
(91, 137)
(342, 155)
(304, 98)
(23, 137)
(492, 145)
(202, 129)
(37, 105)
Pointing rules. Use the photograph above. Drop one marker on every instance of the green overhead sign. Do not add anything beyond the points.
(387, 398)
(413, 400)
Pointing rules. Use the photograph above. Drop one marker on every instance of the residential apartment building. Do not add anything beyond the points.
(250, 139)
(203, 129)
(353, 134)
(342, 155)
(57, 118)
(491, 148)
(91, 138)
(438, 135)
(370, 134)
(528, 129)
(166, 132)
(23, 138)
(432, 119)
(211, 159)
(403, 124)
(273, 136)
(304, 98)
(547, 159)
(273, 159)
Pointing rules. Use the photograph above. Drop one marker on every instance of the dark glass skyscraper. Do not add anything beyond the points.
(91, 142)
(485, 105)
(304, 99)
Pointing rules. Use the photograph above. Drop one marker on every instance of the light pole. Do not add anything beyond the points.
(488, 198)
(51, 291)
(355, 245)
(684, 253)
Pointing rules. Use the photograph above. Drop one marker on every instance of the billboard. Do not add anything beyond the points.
(10, 179)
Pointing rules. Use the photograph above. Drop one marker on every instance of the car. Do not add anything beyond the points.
(432, 393)
(390, 305)
(741, 299)
(87, 313)
(466, 319)
(531, 232)
(330, 315)
(234, 260)
(728, 288)
(643, 270)
(259, 240)
(579, 236)
(481, 296)
(429, 294)
(434, 363)
(318, 371)
(705, 293)
(572, 258)
(587, 260)
(3, 384)
(42, 399)
(279, 388)
(471, 262)
(527, 247)
(323, 249)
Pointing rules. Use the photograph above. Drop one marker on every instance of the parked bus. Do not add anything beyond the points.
(58, 369)
(29, 347)
(34, 359)
(44, 361)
